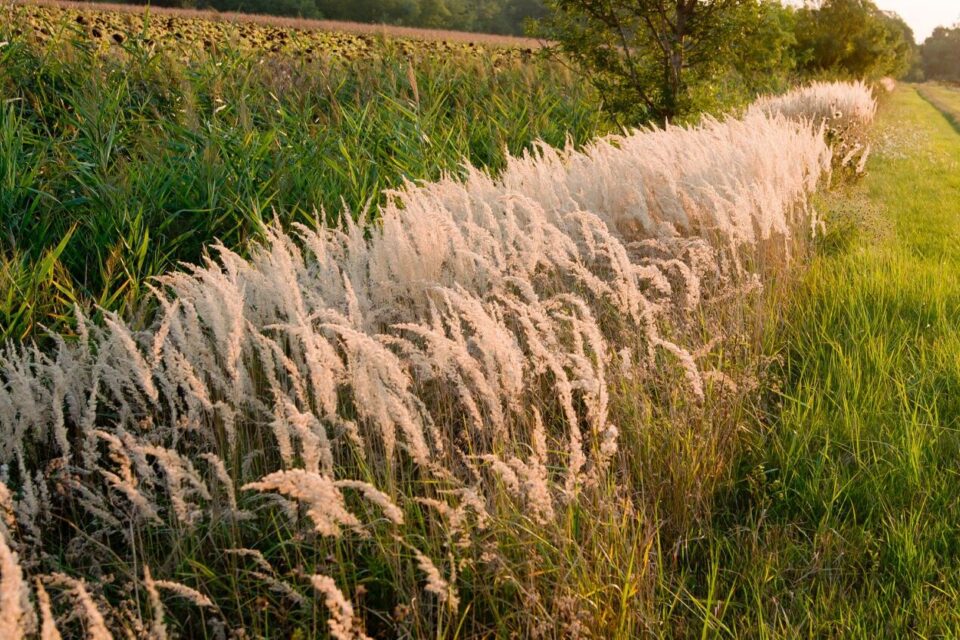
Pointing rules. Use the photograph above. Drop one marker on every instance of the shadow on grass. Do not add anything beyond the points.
(952, 116)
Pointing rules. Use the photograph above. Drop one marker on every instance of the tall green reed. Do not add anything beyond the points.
(114, 167)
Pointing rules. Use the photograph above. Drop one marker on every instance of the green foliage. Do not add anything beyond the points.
(761, 58)
(115, 166)
(940, 55)
(852, 38)
(661, 60)
(657, 60)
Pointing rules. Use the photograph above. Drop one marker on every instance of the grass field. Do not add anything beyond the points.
(612, 390)
(842, 521)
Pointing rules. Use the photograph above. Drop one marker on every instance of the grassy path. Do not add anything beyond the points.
(946, 99)
(846, 519)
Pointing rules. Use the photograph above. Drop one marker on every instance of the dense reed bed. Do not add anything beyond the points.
(494, 410)
(117, 162)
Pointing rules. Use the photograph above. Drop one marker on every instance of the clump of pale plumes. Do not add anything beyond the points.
(823, 102)
(844, 109)
(458, 353)
(888, 84)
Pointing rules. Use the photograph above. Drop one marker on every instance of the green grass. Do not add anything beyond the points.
(843, 517)
(115, 166)
(944, 98)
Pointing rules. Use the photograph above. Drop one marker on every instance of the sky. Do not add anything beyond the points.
(924, 15)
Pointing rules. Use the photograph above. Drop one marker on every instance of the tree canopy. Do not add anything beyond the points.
(940, 55)
(852, 38)
(664, 59)
(659, 59)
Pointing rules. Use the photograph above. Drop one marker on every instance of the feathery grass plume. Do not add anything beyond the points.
(862, 163)
(823, 102)
(126, 481)
(535, 488)
(460, 525)
(314, 444)
(377, 497)
(226, 481)
(48, 624)
(16, 613)
(279, 587)
(340, 621)
(325, 504)
(254, 554)
(268, 575)
(129, 351)
(7, 512)
(505, 473)
(689, 365)
(95, 504)
(436, 584)
(381, 389)
(31, 507)
(449, 358)
(158, 627)
(183, 482)
(95, 625)
(548, 212)
(185, 592)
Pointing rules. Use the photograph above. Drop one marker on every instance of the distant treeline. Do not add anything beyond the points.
(940, 56)
(485, 16)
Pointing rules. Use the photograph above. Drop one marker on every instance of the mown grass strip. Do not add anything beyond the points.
(843, 522)
(946, 99)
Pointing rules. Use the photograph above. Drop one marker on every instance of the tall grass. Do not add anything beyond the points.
(841, 520)
(114, 168)
(492, 411)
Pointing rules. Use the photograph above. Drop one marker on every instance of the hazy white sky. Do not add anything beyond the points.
(924, 15)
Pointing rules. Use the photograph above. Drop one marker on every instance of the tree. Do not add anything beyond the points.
(648, 57)
(940, 55)
(852, 38)
(761, 58)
